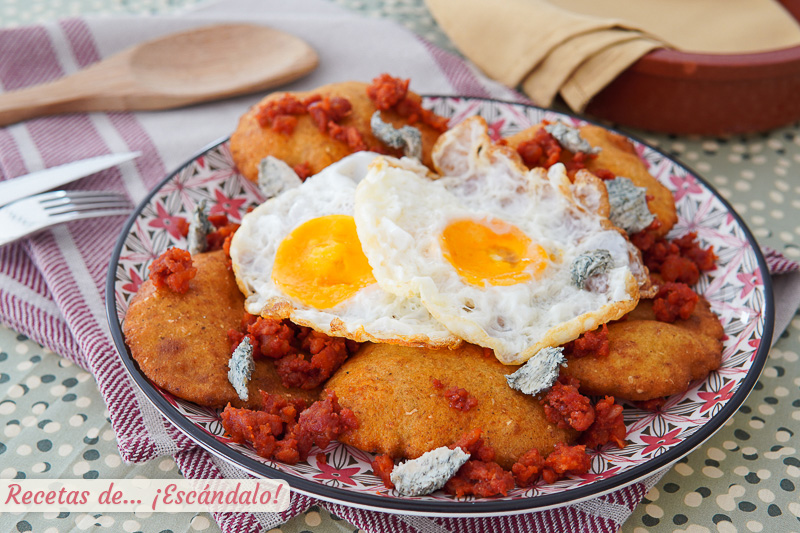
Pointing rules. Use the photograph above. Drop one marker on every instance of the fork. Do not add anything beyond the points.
(35, 213)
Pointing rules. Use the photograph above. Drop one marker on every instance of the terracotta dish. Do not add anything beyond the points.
(707, 94)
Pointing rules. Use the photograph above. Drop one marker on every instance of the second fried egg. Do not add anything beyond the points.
(491, 248)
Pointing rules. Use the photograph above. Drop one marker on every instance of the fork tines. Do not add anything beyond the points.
(34, 213)
(59, 202)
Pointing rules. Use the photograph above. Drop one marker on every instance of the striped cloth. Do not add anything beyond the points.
(52, 285)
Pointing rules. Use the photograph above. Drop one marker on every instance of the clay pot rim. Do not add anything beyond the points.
(671, 63)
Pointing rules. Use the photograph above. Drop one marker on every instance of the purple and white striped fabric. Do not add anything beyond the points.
(51, 285)
(777, 263)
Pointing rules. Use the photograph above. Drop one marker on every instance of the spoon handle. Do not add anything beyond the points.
(91, 89)
(206, 63)
(34, 102)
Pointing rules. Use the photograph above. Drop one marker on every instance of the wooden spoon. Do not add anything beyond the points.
(185, 68)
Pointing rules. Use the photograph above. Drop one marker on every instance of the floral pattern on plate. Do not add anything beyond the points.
(735, 289)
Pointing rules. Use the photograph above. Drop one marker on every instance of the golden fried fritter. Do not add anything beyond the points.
(251, 142)
(180, 341)
(702, 320)
(619, 156)
(649, 359)
(401, 413)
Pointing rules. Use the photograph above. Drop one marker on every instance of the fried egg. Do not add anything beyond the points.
(491, 249)
(298, 256)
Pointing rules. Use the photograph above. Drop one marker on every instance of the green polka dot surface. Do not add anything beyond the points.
(745, 478)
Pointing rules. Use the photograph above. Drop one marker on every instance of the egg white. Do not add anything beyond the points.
(400, 215)
(371, 314)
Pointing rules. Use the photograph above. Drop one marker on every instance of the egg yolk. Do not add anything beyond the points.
(321, 262)
(492, 251)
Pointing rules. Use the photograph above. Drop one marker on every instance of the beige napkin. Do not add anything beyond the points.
(600, 69)
(703, 26)
(508, 38)
(577, 47)
(544, 82)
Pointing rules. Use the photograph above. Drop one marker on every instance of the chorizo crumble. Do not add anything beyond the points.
(286, 430)
(608, 425)
(458, 398)
(544, 150)
(481, 477)
(594, 343)
(219, 239)
(389, 93)
(679, 260)
(565, 407)
(541, 151)
(303, 358)
(674, 301)
(173, 270)
(328, 113)
(382, 467)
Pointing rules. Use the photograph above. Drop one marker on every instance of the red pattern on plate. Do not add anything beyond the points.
(735, 293)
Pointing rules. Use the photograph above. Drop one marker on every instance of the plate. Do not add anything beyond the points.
(738, 289)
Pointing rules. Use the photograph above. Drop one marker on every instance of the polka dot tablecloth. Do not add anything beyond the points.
(745, 478)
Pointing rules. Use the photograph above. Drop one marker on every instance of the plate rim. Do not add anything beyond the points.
(458, 509)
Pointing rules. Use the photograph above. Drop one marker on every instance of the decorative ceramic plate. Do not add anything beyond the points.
(738, 290)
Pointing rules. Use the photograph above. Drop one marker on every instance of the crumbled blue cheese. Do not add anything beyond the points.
(428, 472)
(199, 228)
(628, 203)
(240, 368)
(408, 138)
(570, 138)
(539, 373)
(276, 176)
(590, 264)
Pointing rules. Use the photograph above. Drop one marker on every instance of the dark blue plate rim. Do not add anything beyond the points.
(463, 509)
